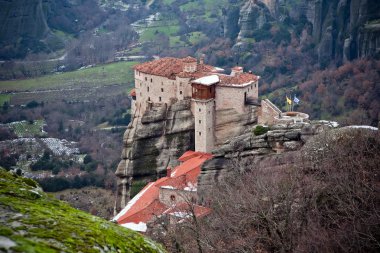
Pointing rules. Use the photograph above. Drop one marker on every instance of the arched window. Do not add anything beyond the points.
(172, 197)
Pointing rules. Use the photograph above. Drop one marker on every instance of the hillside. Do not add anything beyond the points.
(32, 221)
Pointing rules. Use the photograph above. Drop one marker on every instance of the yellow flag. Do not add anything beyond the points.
(288, 100)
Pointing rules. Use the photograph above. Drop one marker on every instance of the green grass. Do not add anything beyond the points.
(196, 37)
(5, 98)
(37, 222)
(25, 129)
(175, 41)
(168, 2)
(150, 33)
(114, 73)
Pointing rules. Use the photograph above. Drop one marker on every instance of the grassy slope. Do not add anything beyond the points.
(37, 222)
(114, 73)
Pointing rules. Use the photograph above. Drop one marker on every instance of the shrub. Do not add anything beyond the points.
(259, 130)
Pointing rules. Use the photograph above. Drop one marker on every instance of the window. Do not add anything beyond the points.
(200, 121)
(159, 98)
(200, 133)
(162, 89)
(255, 85)
(146, 78)
(180, 92)
(172, 197)
(148, 88)
(151, 80)
(199, 109)
(148, 98)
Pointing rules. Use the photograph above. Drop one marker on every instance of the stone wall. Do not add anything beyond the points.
(204, 114)
(170, 196)
(228, 97)
(268, 113)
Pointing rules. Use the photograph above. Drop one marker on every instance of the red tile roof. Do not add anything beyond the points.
(146, 205)
(171, 67)
(238, 79)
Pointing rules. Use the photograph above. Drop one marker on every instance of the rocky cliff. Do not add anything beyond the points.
(32, 221)
(343, 30)
(274, 149)
(153, 142)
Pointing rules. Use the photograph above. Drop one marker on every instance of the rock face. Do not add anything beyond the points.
(32, 221)
(253, 15)
(153, 142)
(273, 149)
(345, 30)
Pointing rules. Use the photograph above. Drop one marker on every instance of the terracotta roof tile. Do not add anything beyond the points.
(145, 205)
(189, 59)
(171, 67)
(238, 79)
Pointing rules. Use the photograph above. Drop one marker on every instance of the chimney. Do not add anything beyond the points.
(168, 172)
(236, 70)
(202, 59)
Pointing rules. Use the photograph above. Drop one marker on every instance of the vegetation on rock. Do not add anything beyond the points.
(32, 221)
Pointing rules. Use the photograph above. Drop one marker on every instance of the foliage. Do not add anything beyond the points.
(259, 130)
(49, 225)
(350, 91)
(326, 200)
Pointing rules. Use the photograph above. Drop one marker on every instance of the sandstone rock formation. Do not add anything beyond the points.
(343, 30)
(273, 149)
(153, 142)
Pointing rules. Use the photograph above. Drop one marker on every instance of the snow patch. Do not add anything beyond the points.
(207, 80)
(167, 187)
(363, 127)
(140, 227)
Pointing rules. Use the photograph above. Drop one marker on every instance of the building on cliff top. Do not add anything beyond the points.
(173, 197)
(185, 95)
(168, 80)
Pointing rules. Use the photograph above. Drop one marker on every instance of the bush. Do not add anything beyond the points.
(259, 130)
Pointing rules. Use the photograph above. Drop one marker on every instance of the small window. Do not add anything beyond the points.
(200, 133)
(200, 121)
(159, 98)
(255, 85)
(146, 78)
(162, 89)
(151, 80)
(172, 197)
(180, 92)
(148, 98)
(162, 83)
(199, 109)
(208, 112)
(148, 88)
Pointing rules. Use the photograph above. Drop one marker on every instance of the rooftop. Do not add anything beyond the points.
(171, 67)
(146, 205)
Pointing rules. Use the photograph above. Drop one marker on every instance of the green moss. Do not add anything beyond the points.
(42, 223)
